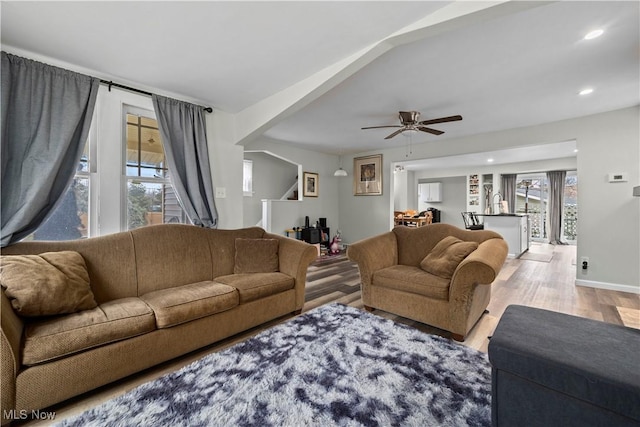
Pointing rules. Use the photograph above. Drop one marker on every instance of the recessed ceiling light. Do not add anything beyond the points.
(586, 91)
(489, 160)
(575, 150)
(593, 34)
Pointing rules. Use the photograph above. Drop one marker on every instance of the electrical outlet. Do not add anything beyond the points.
(584, 262)
(221, 192)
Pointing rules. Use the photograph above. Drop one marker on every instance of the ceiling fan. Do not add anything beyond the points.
(409, 120)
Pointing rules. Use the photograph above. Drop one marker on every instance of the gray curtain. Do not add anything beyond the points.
(508, 188)
(556, 201)
(46, 115)
(182, 128)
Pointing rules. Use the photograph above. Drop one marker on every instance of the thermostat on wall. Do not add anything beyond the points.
(618, 177)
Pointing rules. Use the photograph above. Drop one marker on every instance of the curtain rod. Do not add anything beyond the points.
(133, 89)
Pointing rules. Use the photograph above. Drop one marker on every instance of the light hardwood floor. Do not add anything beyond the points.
(543, 278)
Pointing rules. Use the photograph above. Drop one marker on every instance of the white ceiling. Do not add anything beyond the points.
(228, 55)
(521, 67)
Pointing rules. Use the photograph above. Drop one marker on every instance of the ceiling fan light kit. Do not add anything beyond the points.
(409, 123)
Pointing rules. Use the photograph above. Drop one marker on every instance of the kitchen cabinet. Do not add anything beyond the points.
(429, 192)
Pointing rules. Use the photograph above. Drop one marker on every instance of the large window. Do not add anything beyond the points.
(532, 197)
(150, 196)
(122, 180)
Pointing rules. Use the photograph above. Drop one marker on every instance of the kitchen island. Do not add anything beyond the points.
(514, 228)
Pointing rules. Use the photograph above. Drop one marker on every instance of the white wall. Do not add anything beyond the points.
(609, 225)
(226, 168)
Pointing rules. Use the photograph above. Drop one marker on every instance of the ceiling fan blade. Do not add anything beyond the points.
(378, 127)
(429, 130)
(441, 120)
(399, 131)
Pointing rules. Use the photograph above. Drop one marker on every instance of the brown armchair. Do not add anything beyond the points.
(394, 280)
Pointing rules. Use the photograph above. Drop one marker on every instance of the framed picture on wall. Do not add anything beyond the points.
(367, 175)
(310, 184)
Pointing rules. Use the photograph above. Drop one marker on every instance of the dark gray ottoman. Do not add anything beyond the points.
(552, 369)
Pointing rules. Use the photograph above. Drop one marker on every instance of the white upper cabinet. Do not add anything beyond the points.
(430, 192)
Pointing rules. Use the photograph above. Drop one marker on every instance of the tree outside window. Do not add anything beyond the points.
(150, 196)
(70, 219)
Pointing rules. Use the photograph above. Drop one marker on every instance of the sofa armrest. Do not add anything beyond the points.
(480, 267)
(10, 341)
(294, 257)
(373, 254)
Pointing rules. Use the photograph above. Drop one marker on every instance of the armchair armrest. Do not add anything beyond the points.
(480, 267)
(10, 341)
(294, 257)
(373, 254)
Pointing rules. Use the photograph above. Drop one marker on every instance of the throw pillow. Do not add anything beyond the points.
(46, 284)
(444, 258)
(256, 256)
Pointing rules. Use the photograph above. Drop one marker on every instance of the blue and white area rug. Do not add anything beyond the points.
(334, 365)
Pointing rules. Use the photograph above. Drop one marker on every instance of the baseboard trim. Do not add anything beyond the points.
(608, 286)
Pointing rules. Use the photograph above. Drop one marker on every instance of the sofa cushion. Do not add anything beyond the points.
(444, 258)
(256, 256)
(47, 284)
(169, 255)
(60, 336)
(412, 279)
(189, 302)
(258, 285)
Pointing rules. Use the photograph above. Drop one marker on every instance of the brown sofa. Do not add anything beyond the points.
(409, 272)
(161, 291)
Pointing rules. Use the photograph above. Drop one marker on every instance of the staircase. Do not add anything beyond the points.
(292, 192)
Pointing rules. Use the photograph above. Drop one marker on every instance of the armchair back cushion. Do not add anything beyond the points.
(443, 260)
(415, 244)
